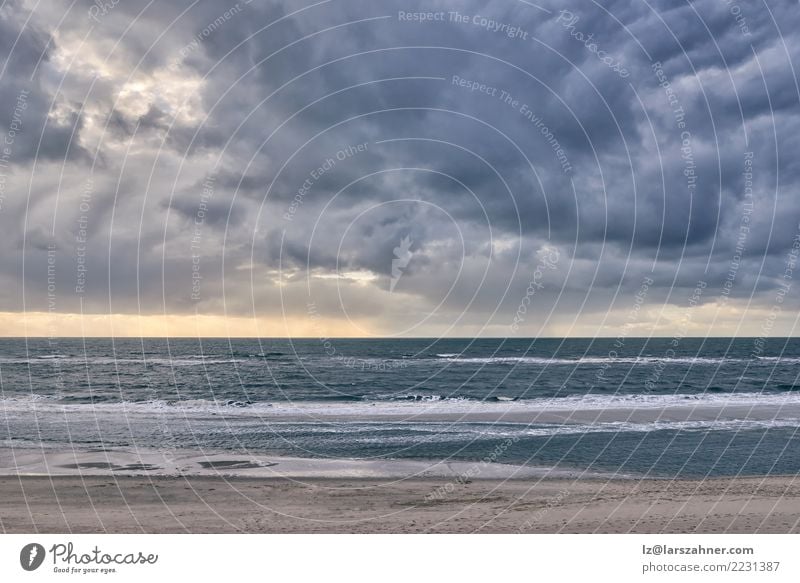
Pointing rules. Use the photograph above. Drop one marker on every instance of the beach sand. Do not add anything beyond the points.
(208, 504)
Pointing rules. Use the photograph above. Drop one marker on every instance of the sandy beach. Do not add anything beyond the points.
(125, 491)
(206, 504)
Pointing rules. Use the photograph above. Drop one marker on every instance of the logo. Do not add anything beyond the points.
(31, 556)
(402, 254)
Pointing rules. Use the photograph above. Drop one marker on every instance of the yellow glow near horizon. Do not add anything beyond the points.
(666, 321)
(44, 324)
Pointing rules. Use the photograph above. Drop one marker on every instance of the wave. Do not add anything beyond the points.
(346, 405)
(190, 360)
(470, 431)
(435, 398)
(543, 430)
(413, 397)
(246, 358)
(539, 360)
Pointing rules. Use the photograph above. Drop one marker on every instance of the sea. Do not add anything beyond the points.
(658, 407)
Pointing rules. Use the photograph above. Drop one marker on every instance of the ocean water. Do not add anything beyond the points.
(657, 407)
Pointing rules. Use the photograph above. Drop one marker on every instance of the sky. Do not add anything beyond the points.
(384, 169)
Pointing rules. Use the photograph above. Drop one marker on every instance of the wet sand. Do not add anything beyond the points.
(209, 504)
(177, 463)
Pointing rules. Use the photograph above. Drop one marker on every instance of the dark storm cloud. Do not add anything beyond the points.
(626, 174)
(23, 49)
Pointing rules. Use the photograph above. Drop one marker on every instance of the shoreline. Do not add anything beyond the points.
(218, 504)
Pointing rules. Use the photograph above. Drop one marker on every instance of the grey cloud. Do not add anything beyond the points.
(623, 205)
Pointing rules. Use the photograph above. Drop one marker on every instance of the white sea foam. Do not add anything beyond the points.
(191, 360)
(448, 357)
(423, 405)
(545, 361)
(460, 432)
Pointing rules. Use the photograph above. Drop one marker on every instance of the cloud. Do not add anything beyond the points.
(641, 140)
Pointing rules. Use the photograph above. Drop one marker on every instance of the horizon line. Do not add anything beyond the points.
(404, 337)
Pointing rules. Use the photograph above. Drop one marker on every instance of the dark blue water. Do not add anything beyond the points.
(244, 395)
